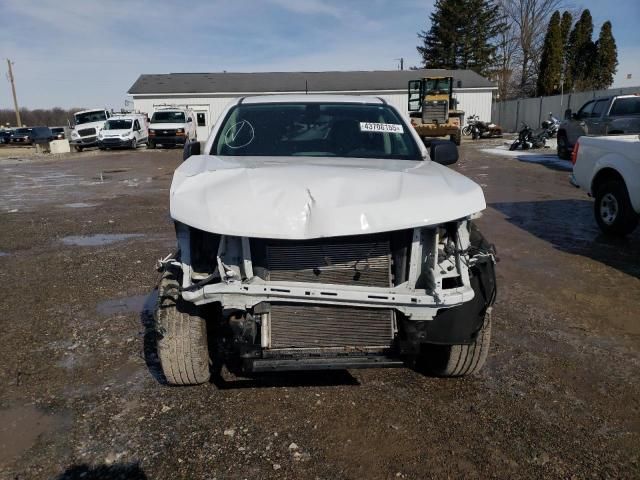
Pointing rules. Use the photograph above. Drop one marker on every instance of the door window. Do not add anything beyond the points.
(625, 106)
(415, 95)
(585, 111)
(598, 108)
(136, 125)
(201, 119)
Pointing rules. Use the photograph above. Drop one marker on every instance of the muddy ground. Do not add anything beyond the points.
(79, 389)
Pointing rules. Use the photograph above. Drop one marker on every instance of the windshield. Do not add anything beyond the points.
(117, 125)
(435, 86)
(168, 117)
(22, 131)
(57, 129)
(89, 117)
(315, 130)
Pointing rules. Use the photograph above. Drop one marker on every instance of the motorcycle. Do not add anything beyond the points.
(528, 139)
(551, 125)
(478, 129)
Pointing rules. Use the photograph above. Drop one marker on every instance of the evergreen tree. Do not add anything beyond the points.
(581, 50)
(565, 28)
(551, 59)
(439, 44)
(462, 35)
(606, 59)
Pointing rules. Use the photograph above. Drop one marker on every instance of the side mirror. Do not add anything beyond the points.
(189, 120)
(567, 114)
(190, 148)
(443, 152)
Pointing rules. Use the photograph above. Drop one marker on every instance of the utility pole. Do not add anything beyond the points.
(15, 98)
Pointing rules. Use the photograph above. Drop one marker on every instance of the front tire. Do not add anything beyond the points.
(613, 210)
(134, 143)
(466, 131)
(182, 340)
(456, 138)
(514, 145)
(78, 148)
(460, 360)
(151, 144)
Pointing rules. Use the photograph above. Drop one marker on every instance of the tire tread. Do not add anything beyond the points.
(461, 360)
(182, 344)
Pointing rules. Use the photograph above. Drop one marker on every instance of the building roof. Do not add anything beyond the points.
(259, 82)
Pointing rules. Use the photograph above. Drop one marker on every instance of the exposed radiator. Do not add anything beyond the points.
(366, 264)
(435, 112)
(309, 326)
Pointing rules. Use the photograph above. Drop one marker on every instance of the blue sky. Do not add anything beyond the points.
(88, 53)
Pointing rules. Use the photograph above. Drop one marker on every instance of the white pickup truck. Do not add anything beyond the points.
(608, 168)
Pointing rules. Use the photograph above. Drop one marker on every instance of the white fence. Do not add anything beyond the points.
(534, 111)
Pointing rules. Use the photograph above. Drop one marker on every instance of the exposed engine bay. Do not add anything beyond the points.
(362, 294)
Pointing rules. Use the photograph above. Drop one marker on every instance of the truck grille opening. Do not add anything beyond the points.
(87, 131)
(373, 260)
(165, 133)
(435, 112)
(326, 326)
(357, 261)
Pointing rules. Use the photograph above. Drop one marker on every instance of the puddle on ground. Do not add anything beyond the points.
(80, 205)
(4, 254)
(98, 239)
(135, 303)
(20, 428)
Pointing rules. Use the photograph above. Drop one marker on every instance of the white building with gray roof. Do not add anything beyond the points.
(208, 93)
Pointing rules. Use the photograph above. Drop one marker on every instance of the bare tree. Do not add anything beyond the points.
(507, 49)
(53, 117)
(528, 21)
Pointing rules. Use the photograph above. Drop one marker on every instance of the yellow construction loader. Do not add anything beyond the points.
(433, 110)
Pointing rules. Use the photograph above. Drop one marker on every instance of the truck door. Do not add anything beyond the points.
(596, 123)
(202, 124)
(577, 127)
(137, 133)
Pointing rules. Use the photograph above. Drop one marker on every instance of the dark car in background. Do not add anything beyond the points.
(21, 135)
(32, 135)
(41, 135)
(5, 137)
(613, 115)
(58, 133)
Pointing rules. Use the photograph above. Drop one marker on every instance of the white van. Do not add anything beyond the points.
(172, 125)
(86, 127)
(128, 130)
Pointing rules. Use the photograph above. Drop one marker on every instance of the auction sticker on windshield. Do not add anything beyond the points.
(381, 127)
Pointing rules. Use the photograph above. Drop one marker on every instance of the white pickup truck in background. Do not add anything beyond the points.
(608, 168)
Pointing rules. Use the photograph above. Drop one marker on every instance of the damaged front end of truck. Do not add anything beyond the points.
(329, 296)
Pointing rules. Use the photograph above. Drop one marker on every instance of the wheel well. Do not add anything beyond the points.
(603, 176)
(615, 132)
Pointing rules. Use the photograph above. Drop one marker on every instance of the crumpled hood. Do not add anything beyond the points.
(303, 198)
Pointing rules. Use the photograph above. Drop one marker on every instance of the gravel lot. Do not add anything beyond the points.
(79, 389)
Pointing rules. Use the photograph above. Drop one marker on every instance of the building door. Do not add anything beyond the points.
(202, 124)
